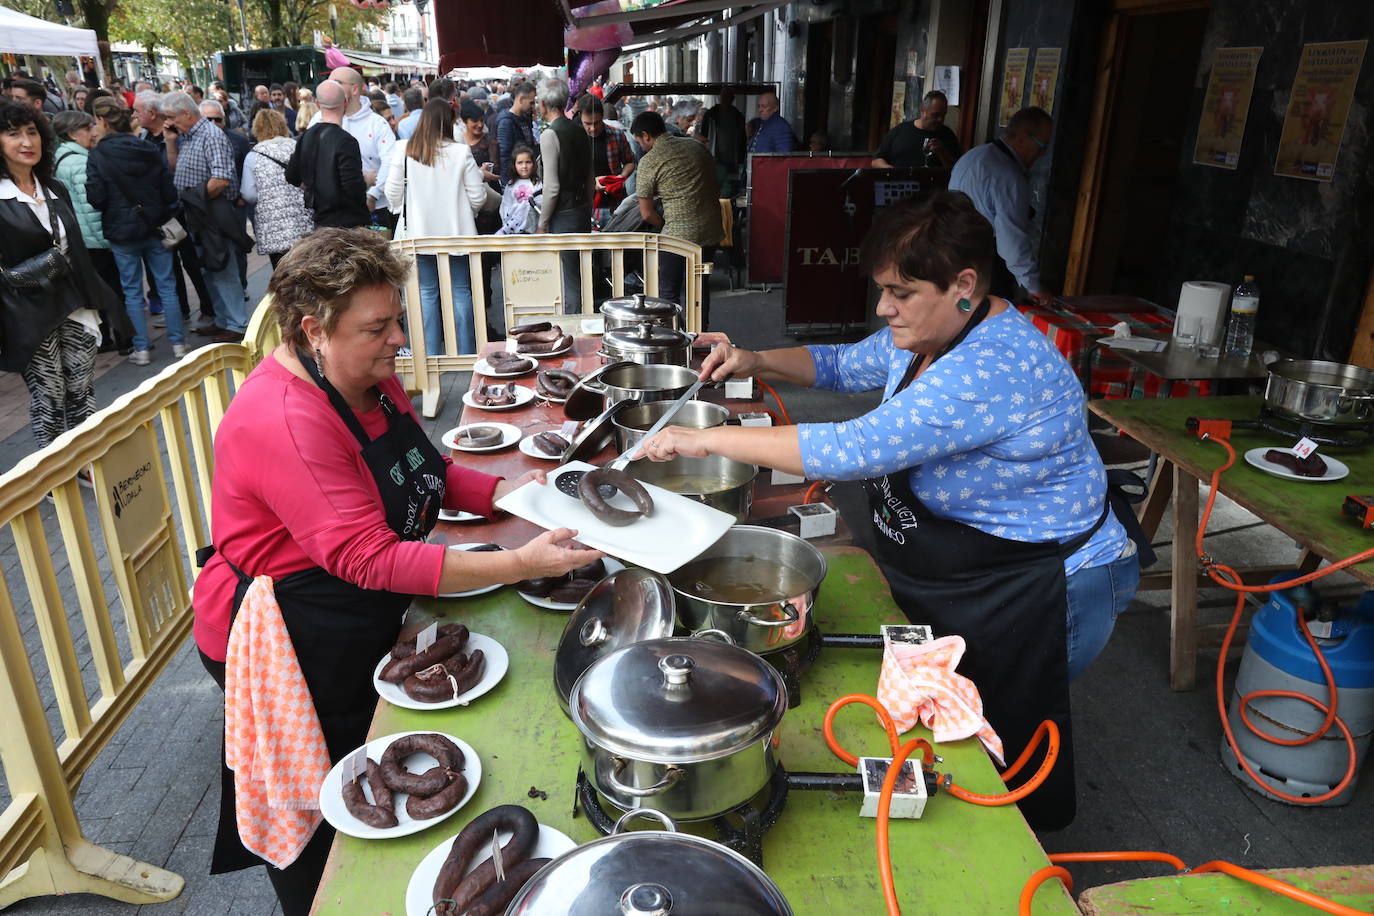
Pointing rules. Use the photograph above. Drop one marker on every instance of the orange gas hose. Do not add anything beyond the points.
(1047, 731)
(811, 491)
(782, 408)
(1280, 887)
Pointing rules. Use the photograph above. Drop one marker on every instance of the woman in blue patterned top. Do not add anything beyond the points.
(987, 496)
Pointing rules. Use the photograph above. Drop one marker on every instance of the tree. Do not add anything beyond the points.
(294, 22)
(194, 29)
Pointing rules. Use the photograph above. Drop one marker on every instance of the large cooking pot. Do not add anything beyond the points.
(718, 482)
(687, 726)
(637, 309)
(1332, 394)
(756, 584)
(650, 873)
(631, 424)
(647, 344)
(626, 381)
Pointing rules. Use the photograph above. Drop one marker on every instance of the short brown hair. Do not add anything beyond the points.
(931, 237)
(269, 124)
(321, 272)
(115, 115)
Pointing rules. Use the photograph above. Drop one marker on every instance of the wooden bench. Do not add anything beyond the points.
(1209, 894)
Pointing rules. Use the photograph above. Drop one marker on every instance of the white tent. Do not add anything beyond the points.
(21, 34)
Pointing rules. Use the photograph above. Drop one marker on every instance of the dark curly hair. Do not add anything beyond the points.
(14, 115)
(932, 236)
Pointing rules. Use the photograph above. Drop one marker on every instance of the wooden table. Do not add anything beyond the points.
(959, 859)
(1310, 513)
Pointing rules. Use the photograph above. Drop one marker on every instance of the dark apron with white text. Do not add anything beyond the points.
(1005, 598)
(339, 630)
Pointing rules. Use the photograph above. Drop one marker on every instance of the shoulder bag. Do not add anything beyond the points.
(171, 233)
(42, 270)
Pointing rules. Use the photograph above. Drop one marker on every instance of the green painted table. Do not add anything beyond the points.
(1308, 512)
(959, 859)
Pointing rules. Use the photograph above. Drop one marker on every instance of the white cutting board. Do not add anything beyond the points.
(678, 531)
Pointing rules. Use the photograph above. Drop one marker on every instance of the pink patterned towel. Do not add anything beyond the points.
(918, 683)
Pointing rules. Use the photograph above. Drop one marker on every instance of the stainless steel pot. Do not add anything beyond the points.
(757, 584)
(632, 423)
(650, 872)
(716, 481)
(683, 725)
(647, 344)
(1332, 394)
(626, 381)
(637, 309)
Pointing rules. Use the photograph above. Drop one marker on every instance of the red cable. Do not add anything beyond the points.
(811, 491)
(782, 409)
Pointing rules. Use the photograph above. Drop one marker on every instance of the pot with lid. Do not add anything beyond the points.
(1315, 391)
(637, 309)
(647, 344)
(659, 872)
(683, 725)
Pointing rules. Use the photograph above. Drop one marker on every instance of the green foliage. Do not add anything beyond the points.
(193, 29)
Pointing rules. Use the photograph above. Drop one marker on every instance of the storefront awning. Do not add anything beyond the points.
(656, 24)
(515, 33)
(377, 64)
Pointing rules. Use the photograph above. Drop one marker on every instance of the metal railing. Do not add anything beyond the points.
(165, 427)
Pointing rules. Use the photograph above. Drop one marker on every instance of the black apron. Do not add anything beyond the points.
(1006, 598)
(338, 629)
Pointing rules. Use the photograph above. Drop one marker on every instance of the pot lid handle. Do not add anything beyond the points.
(646, 899)
(668, 823)
(677, 669)
(594, 632)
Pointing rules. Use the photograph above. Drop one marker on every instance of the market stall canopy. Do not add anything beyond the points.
(623, 90)
(516, 33)
(376, 64)
(663, 22)
(21, 34)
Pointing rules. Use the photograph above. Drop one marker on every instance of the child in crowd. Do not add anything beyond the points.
(520, 201)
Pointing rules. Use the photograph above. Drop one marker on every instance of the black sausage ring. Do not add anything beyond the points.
(550, 443)
(422, 809)
(455, 677)
(454, 894)
(380, 815)
(548, 335)
(398, 669)
(533, 327)
(399, 779)
(480, 437)
(406, 647)
(619, 480)
(493, 901)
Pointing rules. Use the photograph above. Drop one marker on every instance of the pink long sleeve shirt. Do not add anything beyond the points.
(291, 492)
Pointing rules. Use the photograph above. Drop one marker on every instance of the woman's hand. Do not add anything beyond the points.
(552, 554)
(505, 485)
(671, 441)
(726, 361)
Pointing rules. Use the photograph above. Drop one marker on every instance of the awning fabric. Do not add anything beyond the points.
(21, 34)
(517, 33)
(375, 64)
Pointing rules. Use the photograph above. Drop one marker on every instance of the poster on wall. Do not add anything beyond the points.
(898, 103)
(1225, 107)
(1013, 84)
(1044, 78)
(1317, 109)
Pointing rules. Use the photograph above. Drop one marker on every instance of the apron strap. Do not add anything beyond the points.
(918, 359)
(340, 405)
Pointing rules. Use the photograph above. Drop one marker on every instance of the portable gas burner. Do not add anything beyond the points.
(1339, 434)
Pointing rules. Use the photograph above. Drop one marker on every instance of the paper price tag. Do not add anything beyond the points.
(739, 389)
(426, 637)
(511, 344)
(1304, 447)
(570, 364)
(357, 764)
(569, 429)
(755, 418)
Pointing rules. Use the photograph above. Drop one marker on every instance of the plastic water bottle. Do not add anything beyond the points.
(1240, 331)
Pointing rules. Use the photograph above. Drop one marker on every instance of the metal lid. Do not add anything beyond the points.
(645, 338)
(628, 606)
(650, 873)
(677, 700)
(642, 308)
(585, 399)
(596, 434)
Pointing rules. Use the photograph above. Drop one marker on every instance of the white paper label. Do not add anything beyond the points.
(817, 519)
(1304, 447)
(511, 344)
(755, 418)
(426, 637)
(739, 389)
(569, 429)
(782, 478)
(357, 764)
(1321, 629)
(570, 364)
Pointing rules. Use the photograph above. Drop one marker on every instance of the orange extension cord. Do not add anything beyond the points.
(782, 409)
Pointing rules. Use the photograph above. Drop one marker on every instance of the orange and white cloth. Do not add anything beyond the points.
(918, 683)
(272, 736)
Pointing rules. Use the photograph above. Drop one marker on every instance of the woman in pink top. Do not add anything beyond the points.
(325, 481)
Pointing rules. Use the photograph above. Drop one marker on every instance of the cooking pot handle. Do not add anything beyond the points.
(668, 823)
(671, 778)
(790, 615)
(717, 634)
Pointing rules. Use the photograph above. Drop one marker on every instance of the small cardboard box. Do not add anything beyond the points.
(909, 796)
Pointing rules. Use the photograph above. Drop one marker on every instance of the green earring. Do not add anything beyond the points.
(965, 305)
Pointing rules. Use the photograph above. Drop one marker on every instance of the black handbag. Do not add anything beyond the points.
(42, 270)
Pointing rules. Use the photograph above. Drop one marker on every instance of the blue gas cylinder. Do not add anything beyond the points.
(1277, 657)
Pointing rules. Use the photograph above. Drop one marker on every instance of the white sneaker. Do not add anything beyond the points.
(159, 320)
(178, 350)
(140, 357)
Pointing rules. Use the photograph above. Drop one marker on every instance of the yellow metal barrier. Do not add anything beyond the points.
(531, 273)
(149, 546)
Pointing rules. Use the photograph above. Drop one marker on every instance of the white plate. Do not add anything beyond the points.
(420, 892)
(527, 446)
(548, 355)
(482, 367)
(548, 604)
(509, 436)
(593, 327)
(494, 655)
(334, 811)
(523, 396)
(1335, 470)
(458, 515)
(472, 591)
(677, 532)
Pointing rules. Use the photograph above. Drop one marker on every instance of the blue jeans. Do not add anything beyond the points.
(427, 269)
(1097, 595)
(226, 289)
(578, 219)
(131, 256)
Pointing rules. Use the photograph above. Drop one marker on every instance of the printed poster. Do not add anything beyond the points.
(1044, 78)
(1013, 84)
(1317, 109)
(898, 103)
(1225, 107)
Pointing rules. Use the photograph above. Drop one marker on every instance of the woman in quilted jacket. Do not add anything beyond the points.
(281, 218)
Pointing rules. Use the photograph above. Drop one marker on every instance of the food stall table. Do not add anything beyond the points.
(957, 859)
(1308, 512)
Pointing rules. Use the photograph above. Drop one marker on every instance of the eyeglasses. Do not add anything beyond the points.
(216, 120)
(1042, 144)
